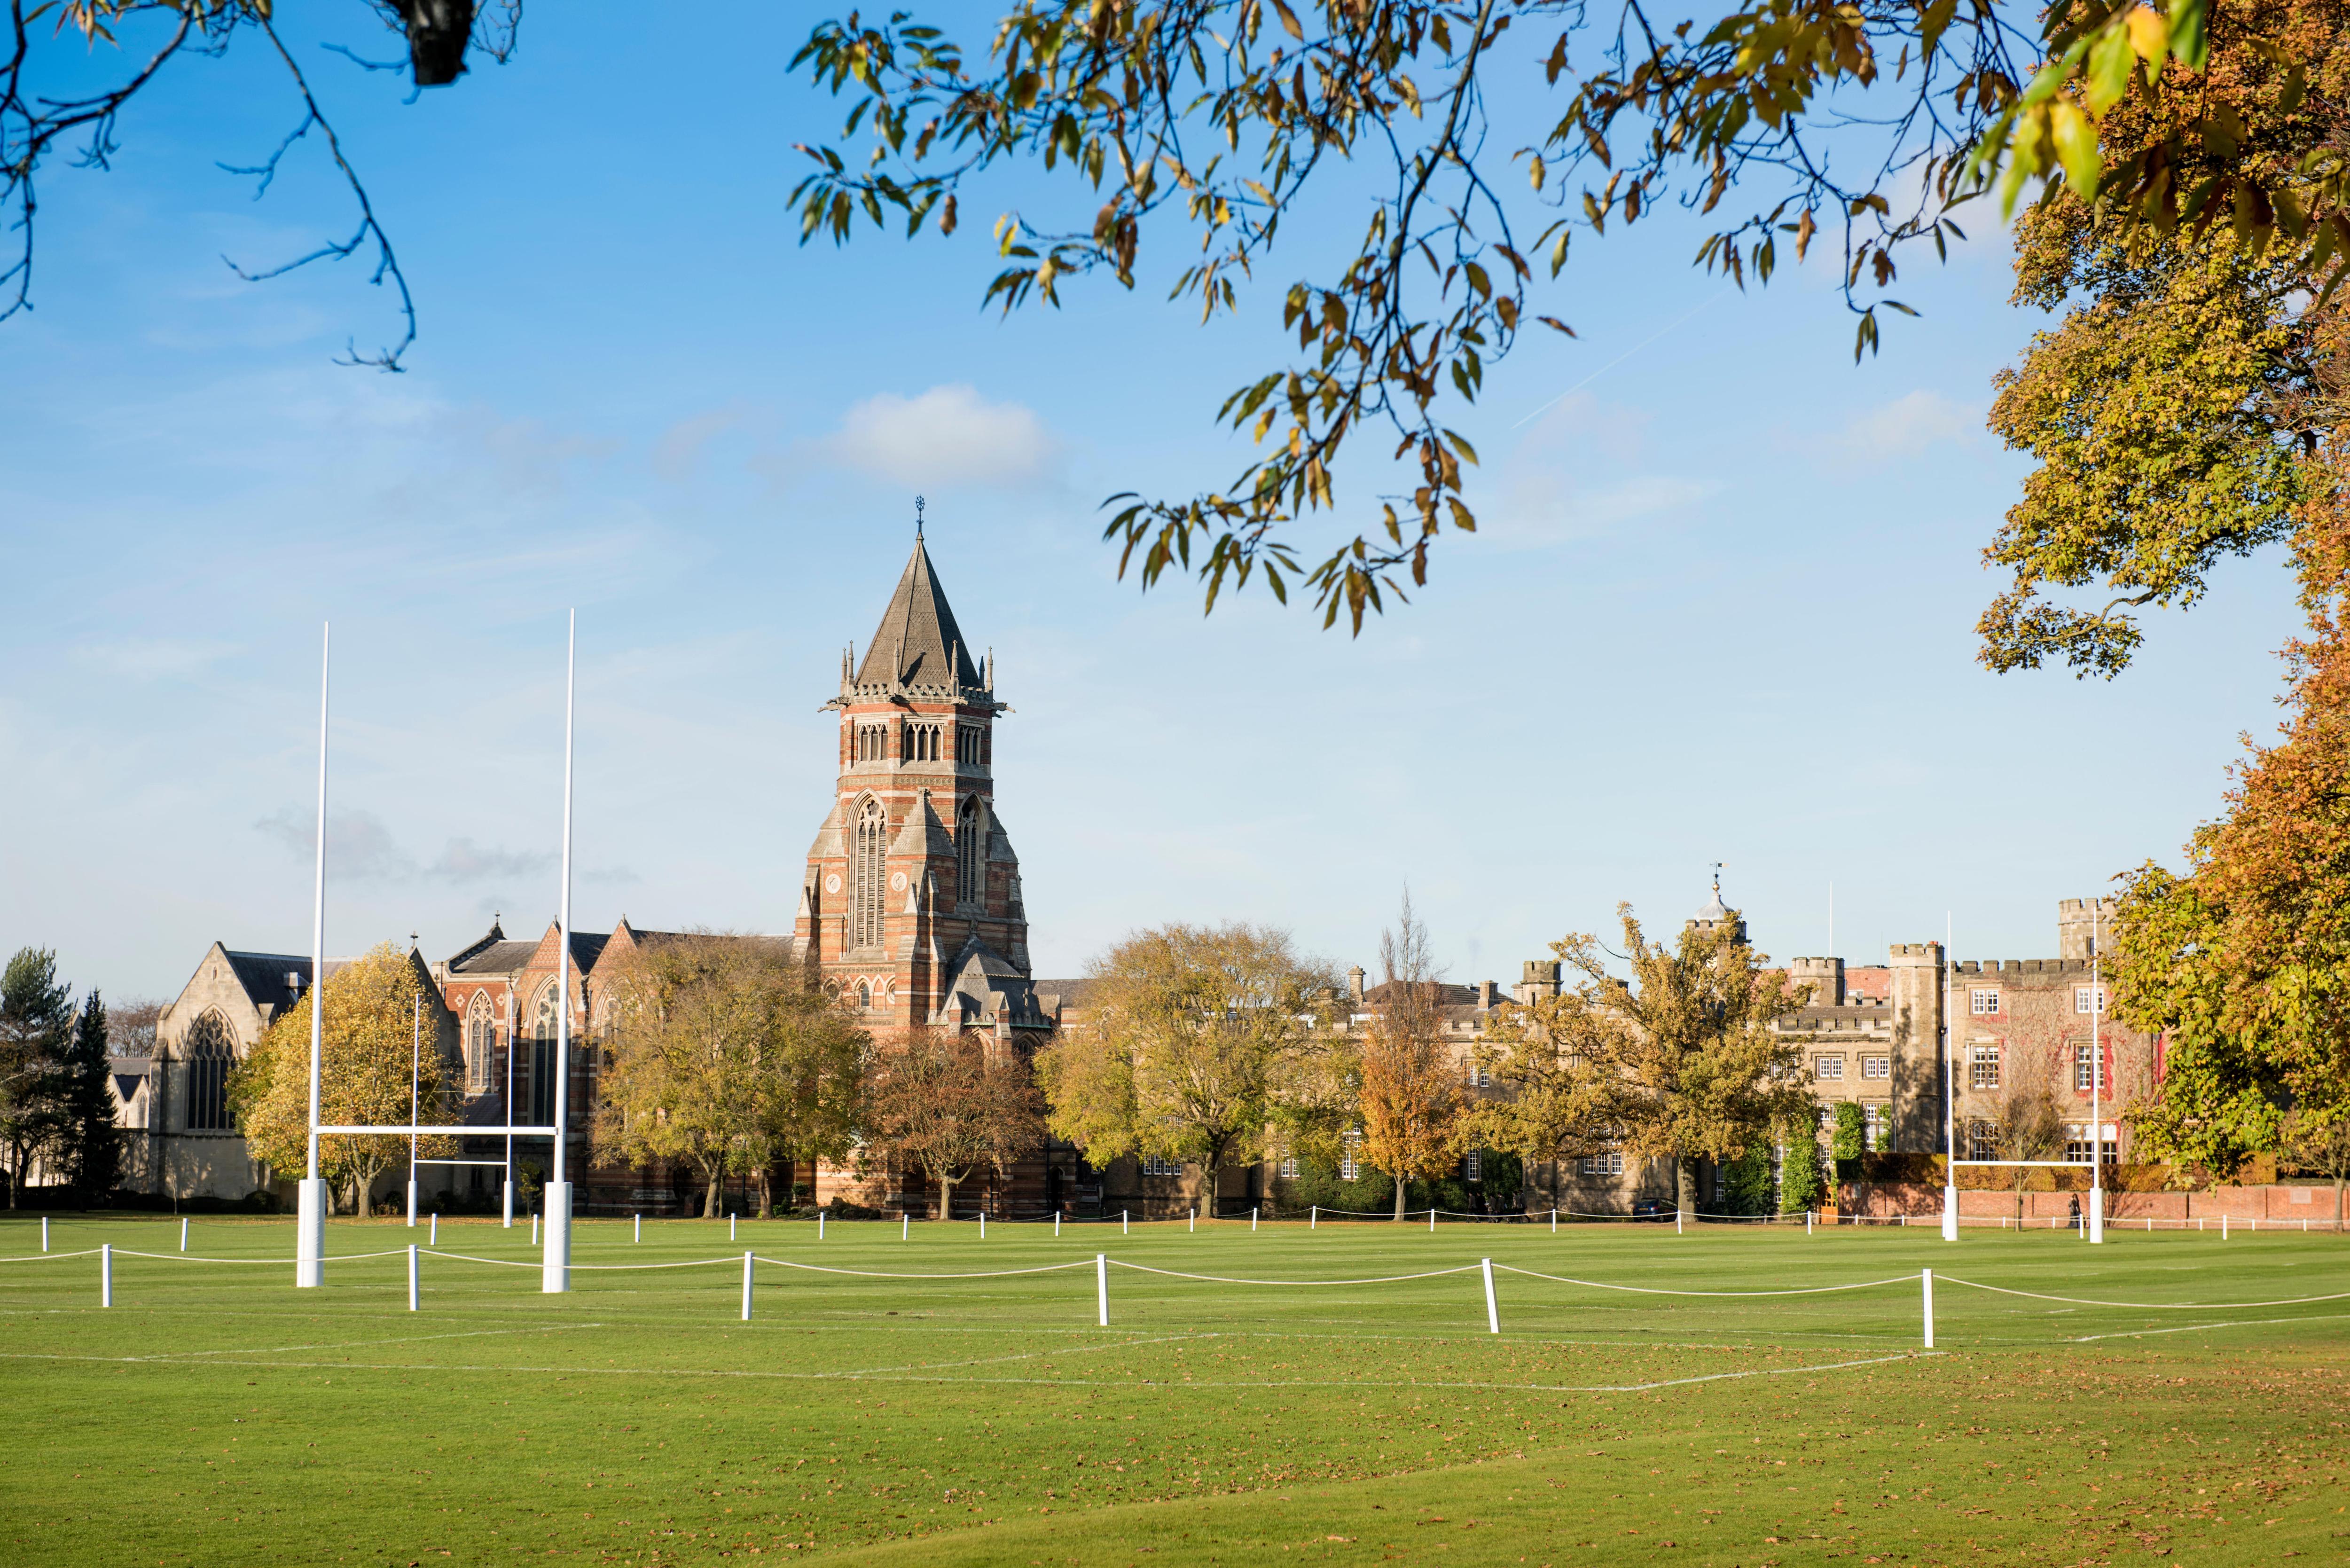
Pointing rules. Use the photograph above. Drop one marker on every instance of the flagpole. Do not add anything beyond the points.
(310, 1225)
(555, 1269)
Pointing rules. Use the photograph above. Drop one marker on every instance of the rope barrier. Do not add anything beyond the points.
(44, 1257)
(877, 1274)
(194, 1258)
(2148, 1306)
(1650, 1291)
(1222, 1279)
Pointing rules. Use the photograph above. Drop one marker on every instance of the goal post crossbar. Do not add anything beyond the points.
(2052, 1164)
(407, 1129)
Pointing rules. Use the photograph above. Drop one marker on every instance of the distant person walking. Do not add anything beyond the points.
(2074, 1206)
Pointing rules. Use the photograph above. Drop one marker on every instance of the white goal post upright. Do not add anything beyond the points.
(310, 1227)
(2096, 1083)
(1949, 1086)
(555, 1269)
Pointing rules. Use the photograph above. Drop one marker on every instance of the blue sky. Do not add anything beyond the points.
(1722, 608)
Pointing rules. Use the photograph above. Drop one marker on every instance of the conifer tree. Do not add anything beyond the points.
(92, 1153)
(35, 1021)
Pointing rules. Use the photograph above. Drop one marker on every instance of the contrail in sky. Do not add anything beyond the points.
(1619, 358)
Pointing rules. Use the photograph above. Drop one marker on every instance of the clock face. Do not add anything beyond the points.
(832, 883)
(898, 881)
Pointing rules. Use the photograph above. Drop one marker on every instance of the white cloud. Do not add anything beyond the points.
(947, 435)
(1905, 427)
(680, 448)
(360, 846)
(462, 860)
(151, 657)
(1556, 485)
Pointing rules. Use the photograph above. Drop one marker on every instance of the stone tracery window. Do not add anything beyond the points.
(971, 853)
(211, 1053)
(868, 875)
(481, 1041)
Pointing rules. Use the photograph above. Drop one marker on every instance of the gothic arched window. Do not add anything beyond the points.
(481, 1043)
(863, 996)
(211, 1053)
(542, 1057)
(971, 854)
(868, 875)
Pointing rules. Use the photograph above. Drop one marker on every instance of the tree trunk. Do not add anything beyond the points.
(710, 1191)
(1207, 1179)
(1398, 1207)
(1685, 1185)
(946, 1195)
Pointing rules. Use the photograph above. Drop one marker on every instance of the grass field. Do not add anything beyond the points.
(214, 1415)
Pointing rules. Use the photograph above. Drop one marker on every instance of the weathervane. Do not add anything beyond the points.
(918, 516)
(1717, 880)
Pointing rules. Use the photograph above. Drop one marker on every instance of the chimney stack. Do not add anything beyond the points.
(1355, 984)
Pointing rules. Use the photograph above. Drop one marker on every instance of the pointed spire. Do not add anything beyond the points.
(918, 642)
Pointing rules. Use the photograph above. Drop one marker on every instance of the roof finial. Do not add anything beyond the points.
(1717, 881)
(918, 503)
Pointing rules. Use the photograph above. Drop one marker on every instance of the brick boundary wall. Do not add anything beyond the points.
(2284, 1202)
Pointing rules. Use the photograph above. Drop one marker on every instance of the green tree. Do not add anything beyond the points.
(1850, 1139)
(1803, 1175)
(1746, 1182)
(36, 1032)
(368, 1067)
(1202, 1043)
(723, 1054)
(90, 1146)
(1681, 1061)
(2188, 401)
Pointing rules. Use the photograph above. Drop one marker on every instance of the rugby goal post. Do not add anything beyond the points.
(310, 1235)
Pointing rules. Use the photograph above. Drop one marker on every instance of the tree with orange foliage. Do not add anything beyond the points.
(1411, 1099)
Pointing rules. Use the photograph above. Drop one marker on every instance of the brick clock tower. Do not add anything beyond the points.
(911, 904)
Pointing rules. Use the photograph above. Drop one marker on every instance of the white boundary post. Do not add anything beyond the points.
(1432, 1220)
(106, 1274)
(903, 1231)
(641, 1230)
(436, 1228)
(1926, 1279)
(509, 1190)
(1313, 1217)
(1101, 1287)
(982, 1224)
(534, 1227)
(1807, 1222)
(45, 1232)
(1123, 1227)
(1195, 1219)
(1554, 1221)
(1493, 1312)
(819, 1224)
(2223, 1227)
(184, 1232)
(729, 1225)
(310, 1226)
(1252, 1220)
(1056, 1222)
(411, 1276)
(1677, 1221)
(746, 1287)
(554, 1274)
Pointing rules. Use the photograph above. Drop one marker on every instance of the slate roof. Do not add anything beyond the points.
(492, 957)
(918, 639)
(263, 975)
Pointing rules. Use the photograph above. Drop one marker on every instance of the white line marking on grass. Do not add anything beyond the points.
(2199, 1327)
(1016, 1382)
(1020, 1355)
(395, 1339)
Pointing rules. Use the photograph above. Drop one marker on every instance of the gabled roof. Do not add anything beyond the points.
(263, 975)
(918, 643)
